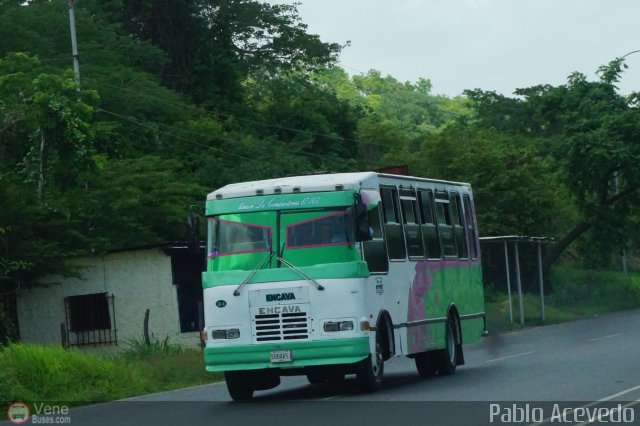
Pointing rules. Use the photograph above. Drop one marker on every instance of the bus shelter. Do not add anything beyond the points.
(516, 241)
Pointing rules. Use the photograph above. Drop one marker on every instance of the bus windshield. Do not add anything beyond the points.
(311, 230)
(241, 241)
(238, 238)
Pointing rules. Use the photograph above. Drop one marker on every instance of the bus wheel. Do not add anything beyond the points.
(239, 385)
(448, 357)
(371, 370)
(426, 364)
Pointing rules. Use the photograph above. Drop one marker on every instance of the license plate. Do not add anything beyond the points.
(281, 356)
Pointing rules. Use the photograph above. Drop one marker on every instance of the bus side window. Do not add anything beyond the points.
(392, 224)
(412, 231)
(459, 229)
(375, 250)
(470, 227)
(429, 225)
(443, 214)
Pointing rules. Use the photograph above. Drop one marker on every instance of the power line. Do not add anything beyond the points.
(352, 69)
(141, 124)
(223, 114)
(217, 114)
(147, 126)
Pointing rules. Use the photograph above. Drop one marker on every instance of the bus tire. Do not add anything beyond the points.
(239, 385)
(370, 371)
(426, 364)
(447, 362)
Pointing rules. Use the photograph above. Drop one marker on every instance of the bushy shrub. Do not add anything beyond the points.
(606, 289)
(138, 348)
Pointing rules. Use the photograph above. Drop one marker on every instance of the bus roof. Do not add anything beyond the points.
(316, 183)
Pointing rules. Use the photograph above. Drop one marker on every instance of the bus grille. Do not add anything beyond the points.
(278, 327)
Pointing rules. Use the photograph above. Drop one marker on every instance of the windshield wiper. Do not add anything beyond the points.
(281, 254)
(299, 272)
(259, 266)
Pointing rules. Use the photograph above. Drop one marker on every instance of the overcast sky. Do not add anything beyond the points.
(496, 45)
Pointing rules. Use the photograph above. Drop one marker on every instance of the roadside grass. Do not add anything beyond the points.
(576, 294)
(72, 377)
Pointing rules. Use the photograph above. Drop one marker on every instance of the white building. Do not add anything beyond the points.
(105, 308)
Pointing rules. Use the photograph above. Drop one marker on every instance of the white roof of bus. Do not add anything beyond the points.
(313, 183)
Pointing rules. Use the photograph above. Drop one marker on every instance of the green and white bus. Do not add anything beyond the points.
(334, 274)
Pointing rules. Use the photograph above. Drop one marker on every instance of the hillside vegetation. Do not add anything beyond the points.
(178, 98)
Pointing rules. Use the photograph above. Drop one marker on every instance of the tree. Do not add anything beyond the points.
(47, 155)
(392, 115)
(214, 45)
(45, 111)
(516, 191)
(306, 118)
(410, 106)
(140, 201)
(592, 133)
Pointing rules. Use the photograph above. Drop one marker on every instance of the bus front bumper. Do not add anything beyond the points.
(303, 354)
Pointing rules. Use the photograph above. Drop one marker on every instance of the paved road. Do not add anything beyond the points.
(592, 363)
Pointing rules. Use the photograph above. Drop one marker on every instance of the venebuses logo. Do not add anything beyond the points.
(39, 412)
(18, 413)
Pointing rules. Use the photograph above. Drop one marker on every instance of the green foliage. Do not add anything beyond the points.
(86, 172)
(167, 364)
(139, 349)
(516, 191)
(140, 201)
(45, 373)
(577, 293)
(39, 373)
(596, 289)
(410, 106)
(312, 121)
(212, 46)
(392, 115)
(179, 98)
(498, 312)
(46, 143)
(44, 109)
(590, 132)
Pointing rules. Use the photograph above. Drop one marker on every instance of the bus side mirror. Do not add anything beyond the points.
(361, 217)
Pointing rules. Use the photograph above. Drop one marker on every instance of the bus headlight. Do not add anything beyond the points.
(230, 333)
(338, 326)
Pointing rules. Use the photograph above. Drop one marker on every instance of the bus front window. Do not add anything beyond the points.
(324, 230)
(238, 241)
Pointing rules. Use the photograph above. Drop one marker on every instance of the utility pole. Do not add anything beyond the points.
(74, 44)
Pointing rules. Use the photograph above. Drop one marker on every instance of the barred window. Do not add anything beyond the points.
(89, 320)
